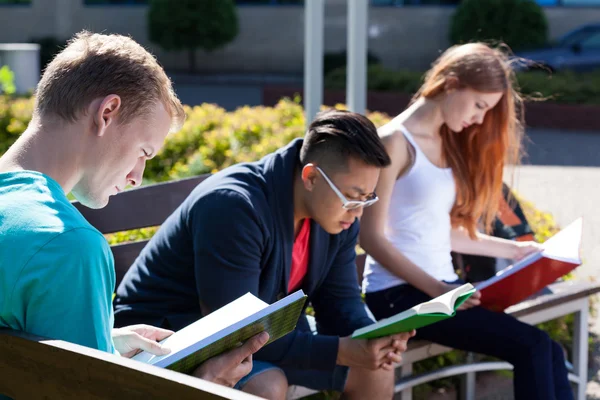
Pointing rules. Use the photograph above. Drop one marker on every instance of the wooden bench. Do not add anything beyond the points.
(150, 206)
(36, 368)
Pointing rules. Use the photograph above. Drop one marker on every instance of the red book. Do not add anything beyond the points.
(517, 282)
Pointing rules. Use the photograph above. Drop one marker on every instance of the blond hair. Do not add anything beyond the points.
(96, 65)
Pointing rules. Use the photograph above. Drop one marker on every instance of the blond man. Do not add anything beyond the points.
(103, 107)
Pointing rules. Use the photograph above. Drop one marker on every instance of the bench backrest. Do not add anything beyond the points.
(138, 208)
(142, 208)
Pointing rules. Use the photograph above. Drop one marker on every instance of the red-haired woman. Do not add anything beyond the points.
(448, 151)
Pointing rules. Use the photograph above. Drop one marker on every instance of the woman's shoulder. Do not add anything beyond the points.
(393, 139)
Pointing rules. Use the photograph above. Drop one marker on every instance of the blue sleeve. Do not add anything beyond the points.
(337, 303)
(66, 290)
(229, 244)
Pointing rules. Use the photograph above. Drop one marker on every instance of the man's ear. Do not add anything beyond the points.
(309, 176)
(105, 112)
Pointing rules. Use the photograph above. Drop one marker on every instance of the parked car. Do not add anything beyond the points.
(578, 50)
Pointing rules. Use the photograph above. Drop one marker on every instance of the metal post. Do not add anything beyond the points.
(406, 370)
(468, 381)
(356, 83)
(313, 57)
(580, 350)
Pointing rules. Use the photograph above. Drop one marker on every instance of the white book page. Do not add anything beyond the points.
(566, 244)
(385, 322)
(443, 304)
(206, 326)
(563, 246)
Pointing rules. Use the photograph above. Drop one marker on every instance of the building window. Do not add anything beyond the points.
(129, 2)
(580, 3)
(15, 2)
(115, 2)
(593, 3)
(269, 2)
(415, 2)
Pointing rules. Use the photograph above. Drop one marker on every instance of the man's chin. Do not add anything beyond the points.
(334, 231)
(94, 204)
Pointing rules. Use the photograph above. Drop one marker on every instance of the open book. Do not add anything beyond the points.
(421, 315)
(560, 255)
(227, 328)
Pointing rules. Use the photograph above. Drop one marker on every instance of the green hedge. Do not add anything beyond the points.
(15, 114)
(521, 24)
(560, 87)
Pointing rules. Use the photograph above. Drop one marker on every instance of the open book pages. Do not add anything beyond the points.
(227, 315)
(226, 328)
(564, 246)
(423, 314)
(446, 303)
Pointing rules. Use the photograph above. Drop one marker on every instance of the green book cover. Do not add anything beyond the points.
(227, 328)
(421, 315)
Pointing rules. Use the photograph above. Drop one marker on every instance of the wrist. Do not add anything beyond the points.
(205, 373)
(515, 250)
(342, 351)
(439, 288)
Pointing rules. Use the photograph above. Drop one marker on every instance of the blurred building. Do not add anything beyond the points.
(402, 33)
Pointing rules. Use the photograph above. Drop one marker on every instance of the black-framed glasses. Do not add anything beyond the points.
(348, 204)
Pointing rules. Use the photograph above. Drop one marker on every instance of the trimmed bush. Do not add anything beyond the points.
(192, 24)
(335, 60)
(521, 24)
(15, 114)
(7, 80)
(561, 87)
(50, 46)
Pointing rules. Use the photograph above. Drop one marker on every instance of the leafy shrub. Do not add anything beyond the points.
(561, 87)
(192, 24)
(379, 79)
(49, 47)
(7, 80)
(521, 24)
(335, 60)
(15, 114)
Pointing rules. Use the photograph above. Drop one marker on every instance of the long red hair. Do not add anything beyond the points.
(478, 155)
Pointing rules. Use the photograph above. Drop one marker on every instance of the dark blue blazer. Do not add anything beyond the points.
(234, 234)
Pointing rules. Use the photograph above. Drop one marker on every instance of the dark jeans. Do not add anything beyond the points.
(539, 363)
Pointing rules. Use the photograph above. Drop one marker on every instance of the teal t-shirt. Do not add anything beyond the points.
(57, 272)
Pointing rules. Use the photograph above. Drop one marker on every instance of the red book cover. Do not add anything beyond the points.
(515, 283)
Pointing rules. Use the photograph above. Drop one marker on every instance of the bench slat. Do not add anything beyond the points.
(125, 254)
(34, 368)
(561, 292)
(141, 207)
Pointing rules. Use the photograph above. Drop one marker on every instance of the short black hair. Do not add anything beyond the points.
(334, 136)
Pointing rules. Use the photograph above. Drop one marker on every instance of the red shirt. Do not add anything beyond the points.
(300, 257)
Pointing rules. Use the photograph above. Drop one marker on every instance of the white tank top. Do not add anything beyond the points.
(418, 222)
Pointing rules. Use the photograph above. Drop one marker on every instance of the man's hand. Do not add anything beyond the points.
(373, 354)
(472, 301)
(523, 249)
(228, 368)
(130, 340)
